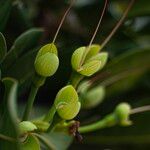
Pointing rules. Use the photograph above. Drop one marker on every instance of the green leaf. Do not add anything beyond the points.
(8, 116)
(5, 9)
(45, 141)
(117, 8)
(23, 68)
(56, 141)
(0, 74)
(21, 14)
(3, 47)
(23, 43)
(131, 64)
(31, 143)
(84, 3)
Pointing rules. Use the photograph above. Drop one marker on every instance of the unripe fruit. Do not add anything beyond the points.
(46, 62)
(26, 126)
(67, 103)
(46, 65)
(48, 48)
(92, 97)
(122, 113)
(89, 64)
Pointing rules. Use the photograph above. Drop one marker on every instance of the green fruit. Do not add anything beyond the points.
(87, 60)
(26, 126)
(92, 97)
(46, 65)
(47, 62)
(67, 103)
(122, 113)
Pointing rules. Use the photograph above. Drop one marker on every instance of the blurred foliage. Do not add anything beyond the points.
(126, 77)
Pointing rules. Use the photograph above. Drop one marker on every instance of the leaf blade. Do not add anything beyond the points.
(3, 47)
(23, 43)
(9, 119)
(5, 9)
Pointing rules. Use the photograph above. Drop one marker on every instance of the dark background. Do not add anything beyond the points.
(76, 31)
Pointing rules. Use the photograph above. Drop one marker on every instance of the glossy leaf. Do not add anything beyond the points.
(23, 68)
(131, 64)
(5, 9)
(3, 47)
(57, 140)
(117, 8)
(23, 43)
(9, 119)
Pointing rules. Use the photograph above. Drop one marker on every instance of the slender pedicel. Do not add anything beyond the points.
(30, 102)
(122, 113)
(62, 20)
(112, 33)
(95, 32)
(140, 109)
(7, 138)
(80, 54)
(99, 23)
(118, 24)
(119, 116)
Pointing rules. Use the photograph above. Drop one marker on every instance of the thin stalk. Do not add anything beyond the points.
(92, 127)
(75, 79)
(107, 121)
(140, 109)
(49, 116)
(95, 32)
(62, 20)
(99, 23)
(118, 24)
(56, 120)
(30, 102)
(7, 138)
